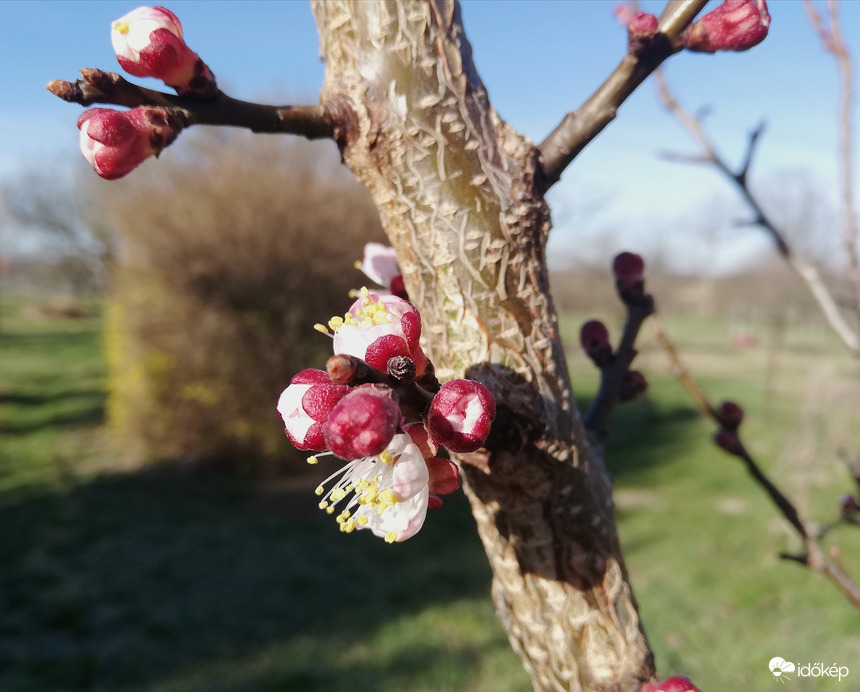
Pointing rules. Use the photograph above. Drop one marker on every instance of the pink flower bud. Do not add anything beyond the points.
(728, 441)
(633, 385)
(641, 26)
(676, 684)
(628, 268)
(730, 415)
(117, 142)
(148, 43)
(735, 25)
(594, 338)
(306, 404)
(363, 422)
(460, 415)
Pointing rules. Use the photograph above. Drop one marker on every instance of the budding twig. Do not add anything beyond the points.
(579, 127)
(814, 558)
(805, 270)
(99, 86)
(833, 43)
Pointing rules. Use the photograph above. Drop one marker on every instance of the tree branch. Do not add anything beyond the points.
(579, 127)
(814, 558)
(98, 86)
(805, 270)
(833, 43)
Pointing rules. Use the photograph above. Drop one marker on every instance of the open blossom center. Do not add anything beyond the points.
(387, 493)
(369, 313)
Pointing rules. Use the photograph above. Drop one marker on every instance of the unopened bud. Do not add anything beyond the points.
(460, 415)
(641, 27)
(735, 25)
(341, 368)
(594, 339)
(728, 441)
(628, 269)
(306, 404)
(675, 684)
(402, 367)
(148, 43)
(633, 385)
(117, 142)
(730, 415)
(363, 422)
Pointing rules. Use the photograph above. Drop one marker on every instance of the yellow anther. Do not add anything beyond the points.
(386, 457)
(313, 460)
(388, 498)
(364, 292)
(346, 514)
(362, 520)
(320, 490)
(350, 488)
(321, 328)
(337, 494)
(329, 510)
(357, 264)
(121, 27)
(391, 536)
(323, 504)
(350, 526)
(352, 293)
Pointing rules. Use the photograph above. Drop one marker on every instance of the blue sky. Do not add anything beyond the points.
(538, 59)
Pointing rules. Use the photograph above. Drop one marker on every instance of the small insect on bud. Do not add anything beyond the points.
(306, 404)
(730, 415)
(594, 339)
(148, 43)
(728, 441)
(460, 415)
(735, 25)
(633, 385)
(363, 422)
(675, 684)
(117, 142)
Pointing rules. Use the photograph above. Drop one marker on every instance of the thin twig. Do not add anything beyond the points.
(805, 270)
(596, 419)
(833, 43)
(814, 558)
(579, 127)
(98, 86)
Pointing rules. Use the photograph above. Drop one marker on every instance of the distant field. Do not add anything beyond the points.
(114, 578)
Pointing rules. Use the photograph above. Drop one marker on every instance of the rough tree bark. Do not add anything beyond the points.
(460, 195)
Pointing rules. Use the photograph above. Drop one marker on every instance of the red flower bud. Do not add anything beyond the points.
(594, 339)
(460, 415)
(730, 415)
(641, 27)
(148, 43)
(444, 476)
(306, 404)
(735, 25)
(728, 441)
(634, 384)
(363, 422)
(117, 142)
(675, 684)
(628, 269)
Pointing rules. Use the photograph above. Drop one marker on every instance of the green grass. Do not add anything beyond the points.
(162, 578)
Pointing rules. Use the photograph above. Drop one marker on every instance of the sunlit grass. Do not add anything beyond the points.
(167, 579)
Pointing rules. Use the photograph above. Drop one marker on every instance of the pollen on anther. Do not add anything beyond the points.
(323, 504)
(329, 510)
(312, 460)
(319, 490)
(362, 520)
(391, 536)
(322, 329)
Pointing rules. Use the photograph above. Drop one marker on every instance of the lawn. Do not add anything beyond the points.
(115, 577)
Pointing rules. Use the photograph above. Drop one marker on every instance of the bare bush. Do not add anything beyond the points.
(229, 256)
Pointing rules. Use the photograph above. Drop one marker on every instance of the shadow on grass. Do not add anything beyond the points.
(66, 409)
(128, 580)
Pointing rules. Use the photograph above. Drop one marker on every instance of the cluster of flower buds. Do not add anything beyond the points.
(379, 406)
(641, 27)
(730, 416)
(674, 684)
(117, 142)
(735, 25)
(148, 43)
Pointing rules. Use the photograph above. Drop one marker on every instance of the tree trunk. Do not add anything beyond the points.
(459, 194)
